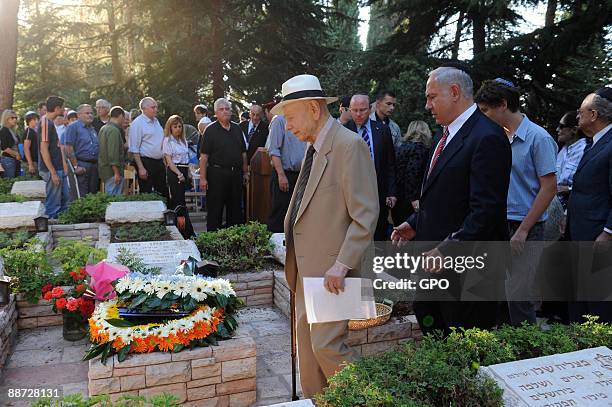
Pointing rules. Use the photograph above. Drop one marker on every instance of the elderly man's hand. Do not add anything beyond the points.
(333, 280)
(402, 233)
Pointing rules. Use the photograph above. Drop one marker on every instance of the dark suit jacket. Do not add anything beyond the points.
(590, 205)
(384, 157)
(258, 139)
(464, 197)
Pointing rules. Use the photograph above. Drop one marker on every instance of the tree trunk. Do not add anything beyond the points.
(551, 10)
(217, 42)
(479, 32)
(114, 43)
(129, 20)
(8, 49)
(457, 40)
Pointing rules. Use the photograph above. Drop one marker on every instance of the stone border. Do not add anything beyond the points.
(218, 375)
(8, 329)
(368, 341)
(254, 288)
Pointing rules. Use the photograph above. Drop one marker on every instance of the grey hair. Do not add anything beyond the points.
(146, 102)
(359, 95)
(104, 103)
(81, 107)
(453, 76)
(603, 107)
(221, 101)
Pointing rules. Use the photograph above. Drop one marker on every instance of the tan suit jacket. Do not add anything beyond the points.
(339, 210)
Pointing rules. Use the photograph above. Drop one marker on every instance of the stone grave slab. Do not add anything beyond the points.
(298, 403)
(582, 378)
(15, 215)
(165, 254)
(30, 189)
(135, 211)
(278, 248)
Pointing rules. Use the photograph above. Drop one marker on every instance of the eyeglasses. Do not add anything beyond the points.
(13, 117)
(580, 112)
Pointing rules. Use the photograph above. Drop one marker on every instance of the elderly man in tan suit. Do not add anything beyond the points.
(330, 221)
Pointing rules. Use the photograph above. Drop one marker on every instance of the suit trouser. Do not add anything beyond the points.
(381, 233)
(321, 347)
(156, 178)
(89, 183)
(224, 191)
(280, 200)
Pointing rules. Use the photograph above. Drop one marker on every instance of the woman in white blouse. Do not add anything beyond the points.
(176, 158)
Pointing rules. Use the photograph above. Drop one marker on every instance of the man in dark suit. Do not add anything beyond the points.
(589, 210)
(378, 138)
(464, 194)
(255, 130)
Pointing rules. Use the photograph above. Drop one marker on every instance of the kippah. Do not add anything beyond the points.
(605, 93)
(505, 82)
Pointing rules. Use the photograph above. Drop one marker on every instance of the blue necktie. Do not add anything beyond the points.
(366, 137)
(251, 133)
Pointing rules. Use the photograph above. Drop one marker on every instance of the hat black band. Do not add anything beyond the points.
(304, 94)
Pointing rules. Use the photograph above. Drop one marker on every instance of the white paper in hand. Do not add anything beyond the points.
(323, 306)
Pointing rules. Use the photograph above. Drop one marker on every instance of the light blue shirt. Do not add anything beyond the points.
(285, 145)
(567, 162)
(534, 154)
(145, 137)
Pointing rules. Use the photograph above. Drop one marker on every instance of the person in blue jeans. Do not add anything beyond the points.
(50, 163)
(9, 142)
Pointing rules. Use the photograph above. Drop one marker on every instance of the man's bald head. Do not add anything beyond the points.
(360, 109)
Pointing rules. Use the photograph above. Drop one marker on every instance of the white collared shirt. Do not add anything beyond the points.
(455, 126)
(601, 133)
(322, 135)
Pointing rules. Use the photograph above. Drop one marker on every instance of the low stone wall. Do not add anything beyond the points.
(223, 375)
(8, 329)
(253, 288)
(36, 315)
(368, 341)
(86, 232)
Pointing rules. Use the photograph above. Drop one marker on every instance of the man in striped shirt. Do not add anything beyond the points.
(50, 162)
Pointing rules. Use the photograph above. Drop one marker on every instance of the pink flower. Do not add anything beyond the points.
(57, 292)
(72, 304)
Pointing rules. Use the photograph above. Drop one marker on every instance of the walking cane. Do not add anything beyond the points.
(294, 396)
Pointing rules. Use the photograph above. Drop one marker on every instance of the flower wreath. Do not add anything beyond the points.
(170, 336)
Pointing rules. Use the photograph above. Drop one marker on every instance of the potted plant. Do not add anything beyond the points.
(75, 308)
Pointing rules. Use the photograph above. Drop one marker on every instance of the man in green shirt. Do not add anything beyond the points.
(112, 154)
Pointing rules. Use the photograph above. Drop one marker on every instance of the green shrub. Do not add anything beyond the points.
(77, 400)
(29, 268)
(15, 239)
(141, 232)
(92, 207)
(239, 248)
(4, 198)
(443, 372)
(71, 255)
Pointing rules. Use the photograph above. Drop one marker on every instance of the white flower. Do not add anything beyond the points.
(137, 284)
(199, 289)
(122, 285)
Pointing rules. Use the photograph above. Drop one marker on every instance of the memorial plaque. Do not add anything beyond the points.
(582, 378)
(165, 254)
(135, 211)
(15, 215)
(30, 189)
(278, 247)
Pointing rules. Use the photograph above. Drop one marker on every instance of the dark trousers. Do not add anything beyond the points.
(280, 201)
(156, 180)
(176, 200)
(89, 183)
(224, 191)
(382, 226)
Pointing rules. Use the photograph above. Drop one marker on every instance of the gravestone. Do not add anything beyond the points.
(582, 378)
(278, 247)
(135, 211)
(164, 254)
(30, 189)
(298, 403)
(15, 215)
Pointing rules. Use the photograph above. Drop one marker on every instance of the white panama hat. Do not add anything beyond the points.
(301, 87)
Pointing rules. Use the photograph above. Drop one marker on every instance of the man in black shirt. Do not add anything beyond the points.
(223, 168)
(103, 107)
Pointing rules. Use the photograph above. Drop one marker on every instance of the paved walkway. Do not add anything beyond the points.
(43, 359)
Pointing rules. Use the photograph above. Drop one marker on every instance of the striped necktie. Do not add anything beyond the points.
(300, 188)
(366, 137)
(439, 149)
(251, 133)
